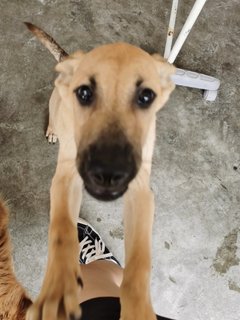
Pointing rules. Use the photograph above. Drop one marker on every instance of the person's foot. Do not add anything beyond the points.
(92, 247)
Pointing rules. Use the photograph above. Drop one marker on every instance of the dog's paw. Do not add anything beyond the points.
(139, 317)
(60, 293)
(135, 295)
(134, 313)
(140, 310)
(51, 136)
(59, 298)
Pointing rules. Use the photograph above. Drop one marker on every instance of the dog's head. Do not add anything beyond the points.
(113, 93)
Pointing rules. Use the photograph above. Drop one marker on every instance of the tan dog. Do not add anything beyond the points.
(103, 112)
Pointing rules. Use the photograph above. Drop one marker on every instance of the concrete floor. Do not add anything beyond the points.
(196, 167)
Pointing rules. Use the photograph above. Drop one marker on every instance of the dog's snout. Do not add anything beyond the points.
(108, 177)
(107, 169)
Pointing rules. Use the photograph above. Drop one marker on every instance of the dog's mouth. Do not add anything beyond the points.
(104, 194)
(107, 169)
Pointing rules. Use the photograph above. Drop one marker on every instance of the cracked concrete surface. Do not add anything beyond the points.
(196, 166)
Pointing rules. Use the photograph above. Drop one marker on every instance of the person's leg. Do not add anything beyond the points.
(101, 272)
(101, 278)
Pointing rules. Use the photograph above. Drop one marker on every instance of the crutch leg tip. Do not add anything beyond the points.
(210, 95)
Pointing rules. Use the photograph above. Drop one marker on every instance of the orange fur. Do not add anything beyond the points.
(13, 298)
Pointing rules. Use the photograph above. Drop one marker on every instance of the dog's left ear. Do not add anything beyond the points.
(66, 69)
(165, 71)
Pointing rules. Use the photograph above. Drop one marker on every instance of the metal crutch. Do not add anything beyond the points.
(184, 77)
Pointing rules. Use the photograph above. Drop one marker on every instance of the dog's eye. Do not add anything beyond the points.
(85, 95)
(145, 97)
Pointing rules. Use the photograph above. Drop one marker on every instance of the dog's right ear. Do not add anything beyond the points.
(165, 69)
(66, 69)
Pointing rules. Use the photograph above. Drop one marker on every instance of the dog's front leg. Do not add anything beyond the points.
(138, 220)
(59, 295)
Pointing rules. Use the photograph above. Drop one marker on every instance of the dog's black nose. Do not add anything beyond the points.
(107, 169)
(107, 177)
